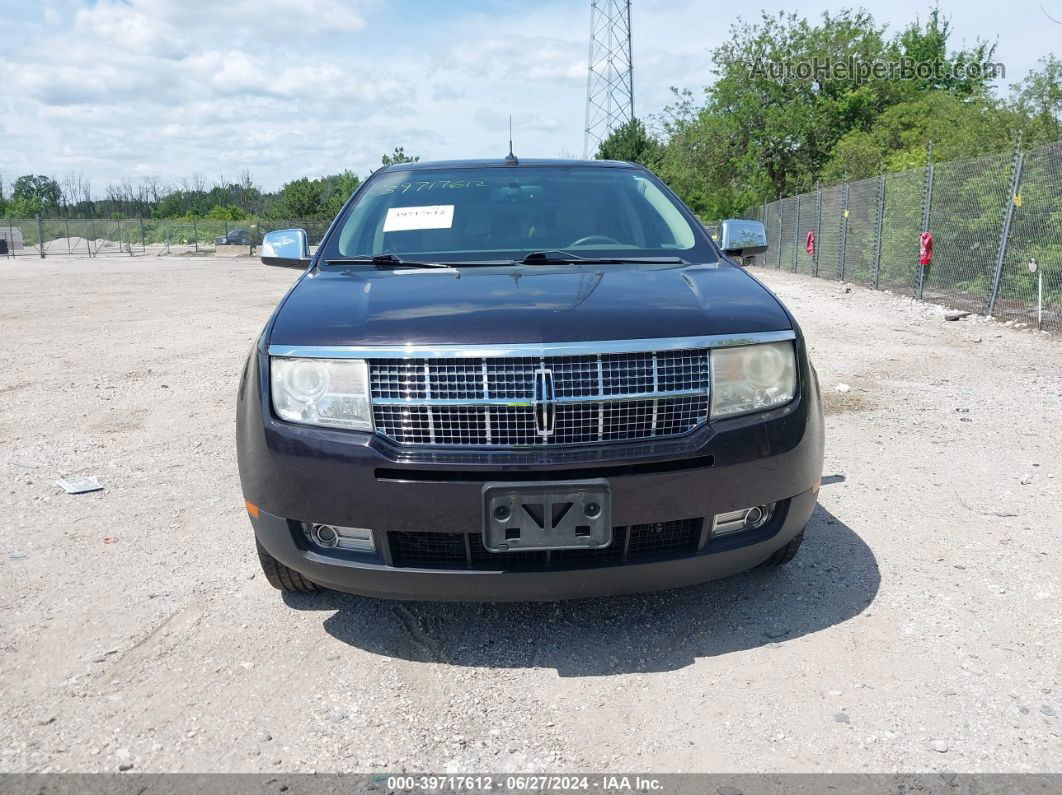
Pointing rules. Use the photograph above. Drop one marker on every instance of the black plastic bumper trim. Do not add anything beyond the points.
(477, 476)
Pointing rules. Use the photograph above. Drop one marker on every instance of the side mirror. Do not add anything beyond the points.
(742, 239)
(286, 247)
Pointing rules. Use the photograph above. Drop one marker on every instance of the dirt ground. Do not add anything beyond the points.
(918, 629)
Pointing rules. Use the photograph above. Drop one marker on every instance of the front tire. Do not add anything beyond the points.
(280, 576)
(782, 556)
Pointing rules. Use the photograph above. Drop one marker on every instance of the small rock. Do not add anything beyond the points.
(264, 737)
(840, 717)
(726, 789)
(46, 721)
(977, 339)
(948, 776)
(16, 555)
(940, 746)
(956, 315)
(1024, 710)
(337, 715)
(123, 766)
(843, 388)
(844, 288)
(1047, 710)
(1027, 479)
(247, 664)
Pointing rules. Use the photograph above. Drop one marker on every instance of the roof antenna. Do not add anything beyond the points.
(510, 159)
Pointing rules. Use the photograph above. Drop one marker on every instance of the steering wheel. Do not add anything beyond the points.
(591, 239)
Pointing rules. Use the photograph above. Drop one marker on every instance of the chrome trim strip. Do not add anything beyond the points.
(677, 393)
(656, 388)
(533, 349)
(540, 447)
(486, 411)
(601, 391)
(427, 394)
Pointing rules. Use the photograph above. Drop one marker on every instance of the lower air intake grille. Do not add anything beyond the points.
(629, 544)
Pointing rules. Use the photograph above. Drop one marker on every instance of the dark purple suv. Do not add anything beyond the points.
(524, 380)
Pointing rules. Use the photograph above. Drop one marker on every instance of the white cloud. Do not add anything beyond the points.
(490, 119)
(516, 57)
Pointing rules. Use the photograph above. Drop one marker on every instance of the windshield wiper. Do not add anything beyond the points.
(385, 260)
(390, 260)
(565, 257)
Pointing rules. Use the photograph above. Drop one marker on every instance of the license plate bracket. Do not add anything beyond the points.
(542, 516)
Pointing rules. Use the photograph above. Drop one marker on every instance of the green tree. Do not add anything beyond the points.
(339, 188)
(714, 185)
(795, 102)
(313, 198)
(928, 44)
(226, 212)
(1039, 96)
(300, 198)
(398, 156)
(958, 128)
(631, 142)
(32, 194)
(766, 128)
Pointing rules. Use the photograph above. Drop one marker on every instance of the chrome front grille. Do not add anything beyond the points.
(539, 400)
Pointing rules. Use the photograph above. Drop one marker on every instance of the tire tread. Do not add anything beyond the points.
(280, 576)
(782, 556)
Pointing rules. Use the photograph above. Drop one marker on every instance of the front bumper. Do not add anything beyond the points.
(300, 474)
(380, 580)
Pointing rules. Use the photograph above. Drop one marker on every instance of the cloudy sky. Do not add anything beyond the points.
(284, 88)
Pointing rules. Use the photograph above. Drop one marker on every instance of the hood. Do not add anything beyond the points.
(524, 304)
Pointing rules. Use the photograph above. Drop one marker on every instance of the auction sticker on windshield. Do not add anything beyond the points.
(435, 216)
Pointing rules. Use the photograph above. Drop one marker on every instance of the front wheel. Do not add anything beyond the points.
(782, 556)
(280, 576)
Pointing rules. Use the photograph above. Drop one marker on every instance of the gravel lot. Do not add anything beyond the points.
(919, 629)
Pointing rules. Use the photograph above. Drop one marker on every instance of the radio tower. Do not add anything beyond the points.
(610, 79)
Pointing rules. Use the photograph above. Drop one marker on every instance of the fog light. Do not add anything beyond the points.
(738, 521)
(324, 535)
(356, 539)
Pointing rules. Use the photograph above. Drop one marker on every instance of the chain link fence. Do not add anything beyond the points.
(989, 217)
(91, 237)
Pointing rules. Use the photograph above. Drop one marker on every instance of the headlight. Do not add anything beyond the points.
(332, 392)
(752, 378)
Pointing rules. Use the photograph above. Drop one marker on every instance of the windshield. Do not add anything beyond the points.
(475, 214)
